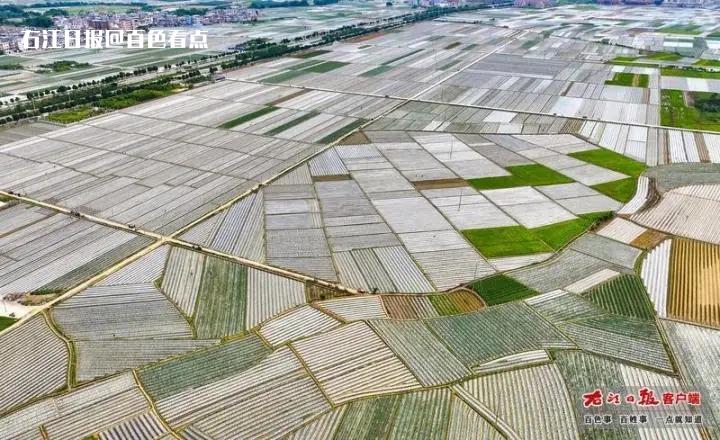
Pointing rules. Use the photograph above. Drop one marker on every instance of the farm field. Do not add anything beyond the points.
(629, 80)
(686, 110)
(450, 230)
(693, 269)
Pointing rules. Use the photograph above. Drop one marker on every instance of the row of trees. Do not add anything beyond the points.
(103, 94)
(38, 94)
(261, 4)
(19, 16)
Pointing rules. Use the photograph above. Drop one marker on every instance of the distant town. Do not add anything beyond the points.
(138, 19)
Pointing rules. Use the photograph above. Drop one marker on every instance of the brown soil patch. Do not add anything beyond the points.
(356, 138)
(694, 293)
(333, 178)
(465, 300)
(703, 152)
(648, 239)
(288, 97)
(399, 307)
(409, 306)
(316, 292)
(34, 300)
(365, 37)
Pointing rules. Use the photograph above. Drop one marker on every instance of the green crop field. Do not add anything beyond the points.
(70, 116)
(202, 367)
(619, 62)
(625, 59)
(559, 234)
(663, 56)
(621, 190)
(377, 71)
(629, 80)
(6, 322)
(689, 73)
(624, 295)
(8, 60)
(529, 43)
(316, 66)
(449, 65)
(500, 289)
(506, 241)
(342, 131)
(221, 304)
(682, 29)
(707, 63)
(325, 66)
(612, 161)
(676, 112)
(518, 240)
(521, 175)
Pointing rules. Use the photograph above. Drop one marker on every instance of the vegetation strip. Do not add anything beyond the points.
(341, 131)
(79, 101)
(449, 65)
(377, 71)
(681, 29)
(707, 63)
(664, 56)
(618, 62)
(402, 56)
(247, 117)
(689, 72)
(325, 66)
(303, 68)
(290, 124)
